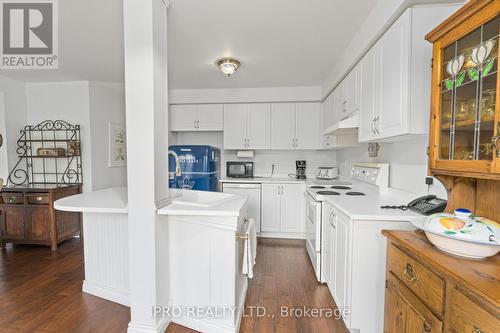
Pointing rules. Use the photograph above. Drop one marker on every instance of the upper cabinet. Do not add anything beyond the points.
(196, 117)
(395, 75)
(465, 119)
(247, 126)
(296, 126)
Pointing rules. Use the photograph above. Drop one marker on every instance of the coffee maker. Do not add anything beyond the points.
(301, 169)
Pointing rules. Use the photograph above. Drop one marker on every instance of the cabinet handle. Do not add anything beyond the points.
(38, 198)
(477, 330)
(427, 327)
(408, 274)
(241, 237)
(373, 126)
(377, 125)
(12, 199)
(194, 124)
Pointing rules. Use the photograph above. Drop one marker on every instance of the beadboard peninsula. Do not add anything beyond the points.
(199, 231)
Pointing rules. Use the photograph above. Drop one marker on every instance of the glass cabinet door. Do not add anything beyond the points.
(468, 95)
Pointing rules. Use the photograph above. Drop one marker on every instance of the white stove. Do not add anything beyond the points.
(366, 180)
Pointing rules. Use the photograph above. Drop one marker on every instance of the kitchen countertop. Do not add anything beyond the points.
(110, 200)
(194, 203)
(367, 208)
(179, 202)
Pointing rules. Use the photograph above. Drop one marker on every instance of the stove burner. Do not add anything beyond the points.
(328, 193)
(340, 187)
(318, 187)
(355, 193)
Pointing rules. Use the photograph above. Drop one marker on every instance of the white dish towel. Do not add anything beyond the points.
(250, 249)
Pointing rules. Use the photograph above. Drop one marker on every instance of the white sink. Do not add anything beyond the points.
(201, 198)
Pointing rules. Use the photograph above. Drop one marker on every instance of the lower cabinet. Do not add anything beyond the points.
(328, 241)
(429, 291)
(342, 260)
(282, 209)
(404, 312)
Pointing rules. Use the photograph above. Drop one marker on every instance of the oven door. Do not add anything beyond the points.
(313, 233)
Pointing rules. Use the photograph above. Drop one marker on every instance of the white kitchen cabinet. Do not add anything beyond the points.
(307, 126)
(283, 126)
(282, 210)
(271, 208)
(296, 126)
(247, 126)
(292, 196)
(352, 91)
(329, 118)
(342, 260)
(235, 129)
(394, 82)
(370, 96)
(328, 244)
(196, 117)
(395, 76)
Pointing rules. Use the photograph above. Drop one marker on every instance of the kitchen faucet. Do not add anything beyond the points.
(177, 172)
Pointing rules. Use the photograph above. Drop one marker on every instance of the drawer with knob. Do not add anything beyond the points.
(12, 198)
(468, 317)
(37, 199)
(426, 285)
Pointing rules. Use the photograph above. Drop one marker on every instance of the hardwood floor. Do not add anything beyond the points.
(40, 291)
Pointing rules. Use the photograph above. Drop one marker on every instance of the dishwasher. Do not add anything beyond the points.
(252, 191)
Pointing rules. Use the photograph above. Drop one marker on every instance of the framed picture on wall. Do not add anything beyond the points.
(117, 145)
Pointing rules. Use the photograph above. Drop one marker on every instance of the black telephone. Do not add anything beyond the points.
(428, 205)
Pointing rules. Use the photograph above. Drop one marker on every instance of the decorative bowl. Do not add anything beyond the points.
(474, 238)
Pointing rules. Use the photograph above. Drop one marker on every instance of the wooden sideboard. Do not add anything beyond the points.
(27, 215)
(430, 291)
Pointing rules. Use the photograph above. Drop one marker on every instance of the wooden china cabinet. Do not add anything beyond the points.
(428, 290)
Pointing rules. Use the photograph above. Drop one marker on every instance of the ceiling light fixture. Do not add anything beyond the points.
(228, 65)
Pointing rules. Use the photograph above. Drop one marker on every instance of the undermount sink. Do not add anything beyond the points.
(201, 198)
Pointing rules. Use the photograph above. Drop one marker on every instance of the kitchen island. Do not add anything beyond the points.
(201, 232)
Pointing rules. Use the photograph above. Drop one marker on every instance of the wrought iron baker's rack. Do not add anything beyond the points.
(35, 169)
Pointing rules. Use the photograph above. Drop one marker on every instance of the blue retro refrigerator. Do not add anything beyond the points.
(200, 166)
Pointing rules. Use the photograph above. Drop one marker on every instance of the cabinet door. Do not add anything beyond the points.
(271, 208)
(369, 95)
(259, 126)
(14, 222)
(404, 313)
(210, 117)
(394, 79)
(308, 126)
(342, 260)
(292, 208)
(326, 244)
(37, 226)
(283, 126)
(328, 115)
(333, 250)
(337, 102)
(183, 117)
(235, 126)
(353, 90)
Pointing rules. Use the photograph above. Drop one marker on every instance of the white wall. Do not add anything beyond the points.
(263, 159)
(15, 115)
(408, 164)
(68, 101)
(107, 105)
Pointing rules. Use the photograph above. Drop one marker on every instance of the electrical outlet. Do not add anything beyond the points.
(429, 181)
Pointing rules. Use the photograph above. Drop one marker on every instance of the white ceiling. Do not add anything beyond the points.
(279, 42)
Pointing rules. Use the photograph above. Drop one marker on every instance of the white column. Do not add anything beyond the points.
(145, 25)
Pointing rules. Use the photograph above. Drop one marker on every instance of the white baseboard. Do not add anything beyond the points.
(114, 295)
(160, 327)
(207, 326)
(283, 235)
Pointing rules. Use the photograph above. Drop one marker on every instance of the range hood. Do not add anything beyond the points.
(348, 126)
